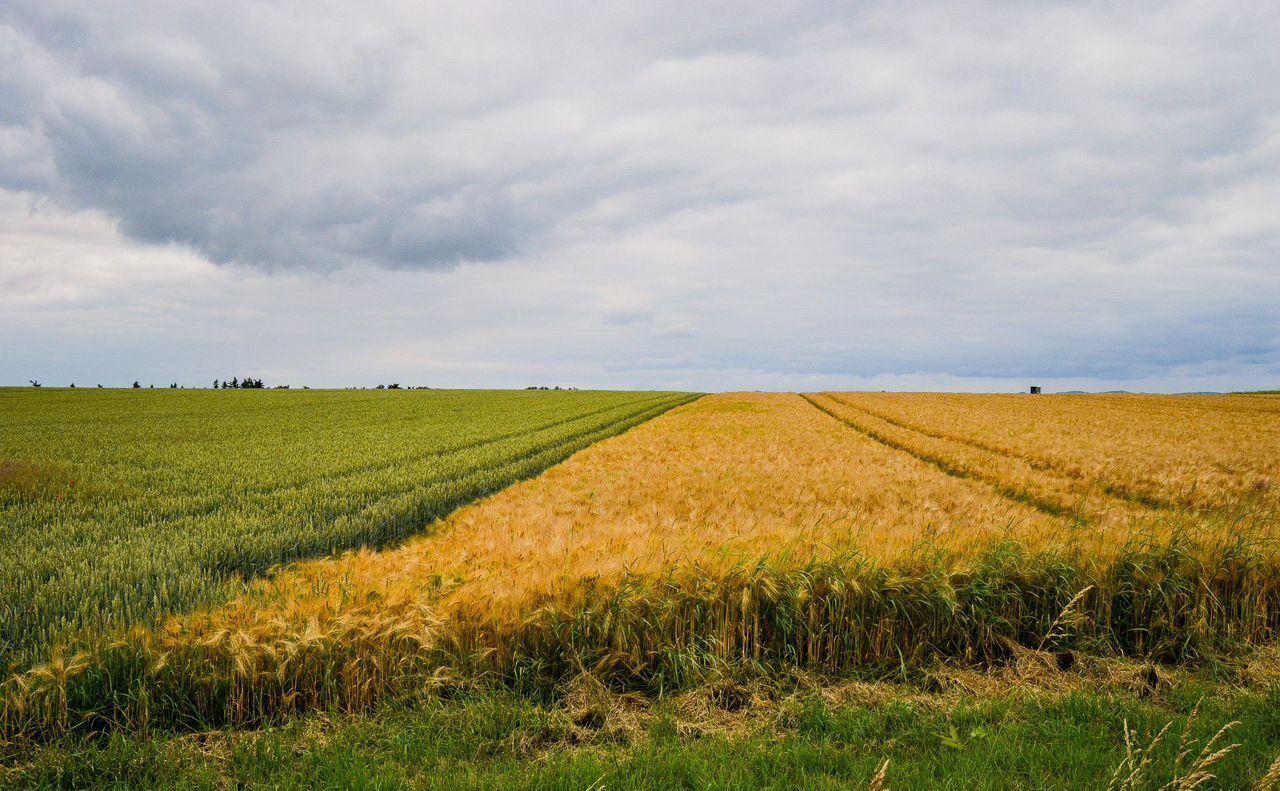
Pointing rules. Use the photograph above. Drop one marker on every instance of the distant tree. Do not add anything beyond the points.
(136, 385)
(73, 385)
(235, 383)
(215, 384)
(395, 386)
(34, 383)
(173, 386)
(99, 385)
(381, 387)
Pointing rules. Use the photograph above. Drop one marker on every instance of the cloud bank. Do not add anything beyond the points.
(628, 194)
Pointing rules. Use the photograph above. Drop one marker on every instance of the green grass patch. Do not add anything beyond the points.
(1018, 739)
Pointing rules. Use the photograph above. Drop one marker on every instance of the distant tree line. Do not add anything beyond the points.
(248, 383)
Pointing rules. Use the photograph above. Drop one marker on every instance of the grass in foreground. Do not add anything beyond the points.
(981, 732)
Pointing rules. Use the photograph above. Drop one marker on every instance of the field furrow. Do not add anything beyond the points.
(1162, 451)
(1010, 476)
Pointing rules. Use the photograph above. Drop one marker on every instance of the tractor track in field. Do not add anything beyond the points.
(949, 467)
(1038, 463)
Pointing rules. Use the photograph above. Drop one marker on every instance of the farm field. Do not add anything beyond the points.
(743, 478)
(118, 507)
(1162, 451)
(730, 544)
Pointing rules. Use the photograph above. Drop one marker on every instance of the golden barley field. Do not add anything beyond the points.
(730, 477)
(826, 531)
(742, 476)
(1197, 451)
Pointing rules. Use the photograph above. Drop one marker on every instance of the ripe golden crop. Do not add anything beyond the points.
(728, 477)
(1177, 451)
(747, 475)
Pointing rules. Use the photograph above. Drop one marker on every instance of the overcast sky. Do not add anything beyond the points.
(644, 194)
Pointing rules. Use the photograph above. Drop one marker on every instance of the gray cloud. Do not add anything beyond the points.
(406, 135)
(817, 190)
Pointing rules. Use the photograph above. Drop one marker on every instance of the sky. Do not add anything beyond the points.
(652, 195)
